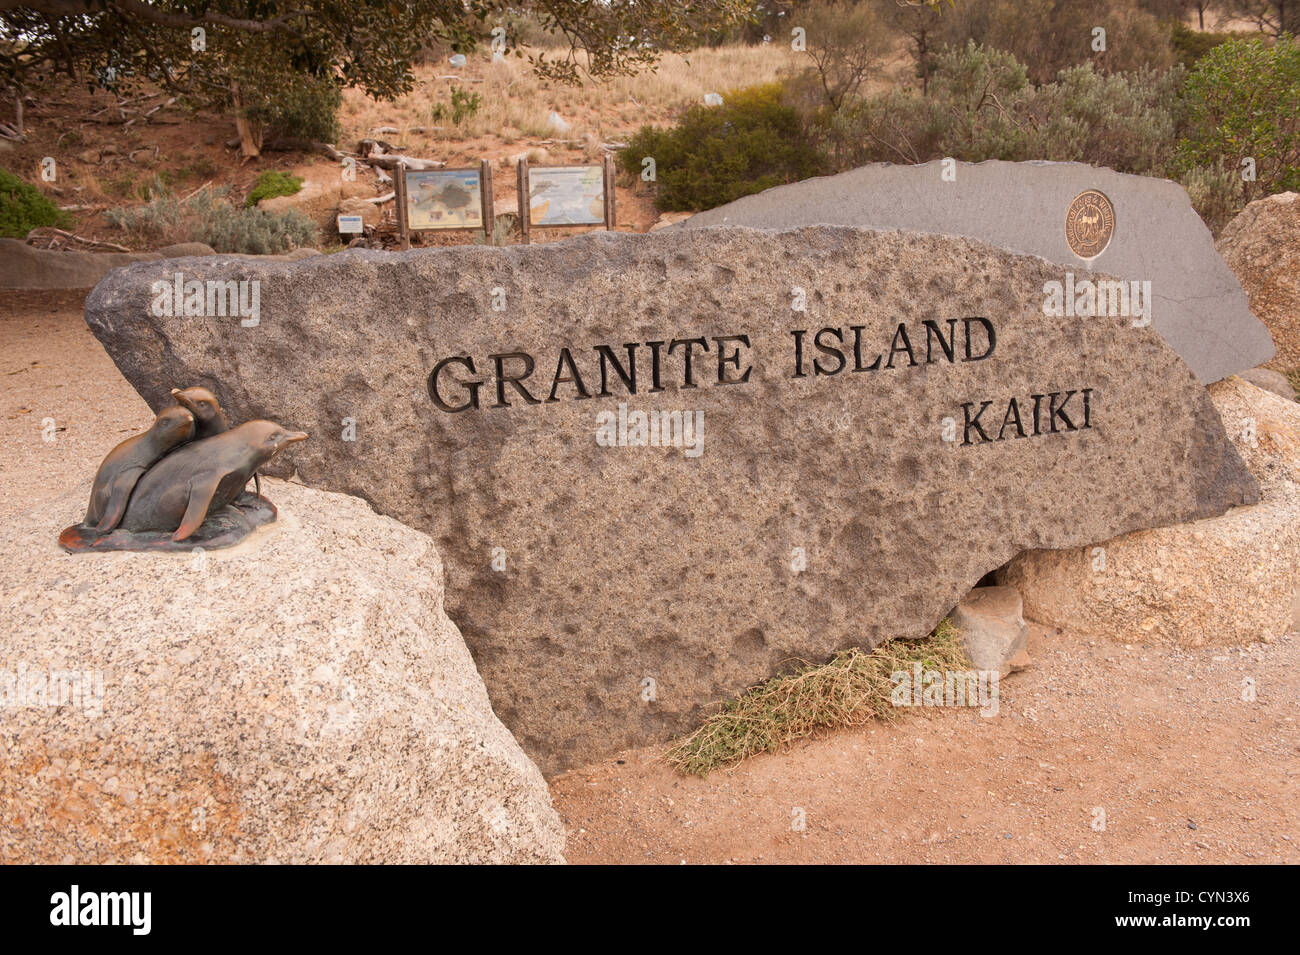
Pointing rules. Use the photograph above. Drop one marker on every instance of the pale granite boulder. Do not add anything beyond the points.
(991, 623)
(1262, 246)
(1230, 580)
(301, 698)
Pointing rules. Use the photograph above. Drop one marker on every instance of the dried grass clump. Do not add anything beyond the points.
(851, 689)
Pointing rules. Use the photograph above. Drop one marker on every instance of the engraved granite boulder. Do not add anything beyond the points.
(662, 467)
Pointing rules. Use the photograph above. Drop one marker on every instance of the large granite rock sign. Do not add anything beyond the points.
(1144, 229)
(662, 467)
(299, 698)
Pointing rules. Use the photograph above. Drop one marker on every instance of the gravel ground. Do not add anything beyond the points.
(1159, 738)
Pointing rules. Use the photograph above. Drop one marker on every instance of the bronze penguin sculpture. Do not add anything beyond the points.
(209, 419)
(201, 477)
(123, 467)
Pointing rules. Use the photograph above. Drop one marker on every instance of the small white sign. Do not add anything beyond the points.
(350, 225)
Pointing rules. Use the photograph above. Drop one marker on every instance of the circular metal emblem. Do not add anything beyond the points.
(1089, 224)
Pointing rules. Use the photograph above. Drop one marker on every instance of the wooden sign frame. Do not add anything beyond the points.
(525, 207)
(488, 226)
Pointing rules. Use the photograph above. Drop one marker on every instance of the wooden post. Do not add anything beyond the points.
(399, 188)
(489, 209)
(523, 199)
(611, 216)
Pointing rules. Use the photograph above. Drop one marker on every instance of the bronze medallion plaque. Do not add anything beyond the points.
(1089, 224)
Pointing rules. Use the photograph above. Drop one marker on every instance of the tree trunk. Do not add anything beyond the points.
(923, 54)
(250, 133)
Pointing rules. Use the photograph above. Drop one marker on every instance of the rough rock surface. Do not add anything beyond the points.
(25, 266)
(369, 212)
(182, 249)
(1199, 305)
(305, 200)
(1262, 246)
(992, 626)
(1269, 380)
(667, 219)
(609, 594)
(1226, 581)
(323, 191)
(299, 698)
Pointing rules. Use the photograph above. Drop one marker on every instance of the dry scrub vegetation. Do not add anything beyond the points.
(517, 103)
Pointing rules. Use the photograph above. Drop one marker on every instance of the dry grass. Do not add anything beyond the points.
(516, 103)
(851, 689)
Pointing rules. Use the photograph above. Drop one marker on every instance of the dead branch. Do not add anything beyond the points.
(60, 239)
(381, 155)
(146, 115)
(130, 157)
(197, 191)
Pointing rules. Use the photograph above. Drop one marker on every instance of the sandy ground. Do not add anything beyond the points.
(52, 368)
(1158, 739)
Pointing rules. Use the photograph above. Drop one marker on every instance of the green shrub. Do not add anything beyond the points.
(301, 107)
(23, 207)
(1048, 36)
(464, 104)
(898, 125)
(1124, 121)
(1217, 194)
(208, 217)
(272, 183)
(256, 231)
(983, 93)
(981, 106)
(155, 220)
(1191, 45)
(977, 108)
(1243, 102)
(753, 141)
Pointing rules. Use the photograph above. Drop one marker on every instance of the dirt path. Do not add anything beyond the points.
(1158, 738)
